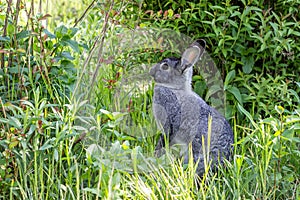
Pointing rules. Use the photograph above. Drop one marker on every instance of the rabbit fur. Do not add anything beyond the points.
(183, 116)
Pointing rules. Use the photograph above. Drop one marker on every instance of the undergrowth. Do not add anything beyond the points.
(75, 124)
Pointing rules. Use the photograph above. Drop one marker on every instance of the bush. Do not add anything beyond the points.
(43, 120)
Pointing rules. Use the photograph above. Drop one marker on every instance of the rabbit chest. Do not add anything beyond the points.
(180, 114)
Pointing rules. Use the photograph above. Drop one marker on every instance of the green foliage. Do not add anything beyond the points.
(59, 145)
(251, 39)
(241, 35)
(260, 95)
(36, 57)
(37, 74)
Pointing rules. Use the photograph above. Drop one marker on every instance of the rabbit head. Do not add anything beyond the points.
(176, 73)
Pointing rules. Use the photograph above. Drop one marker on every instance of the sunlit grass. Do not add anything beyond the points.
(44, 157)
(264, 165)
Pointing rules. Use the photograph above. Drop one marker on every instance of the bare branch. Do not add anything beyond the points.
(84, 13)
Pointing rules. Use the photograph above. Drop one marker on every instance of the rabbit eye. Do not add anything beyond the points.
(164, 66)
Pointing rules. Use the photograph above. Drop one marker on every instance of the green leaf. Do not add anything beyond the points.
(200, 87)
(67, 55)
(31, 129)
(230, 76)
(197, 77)
(221, 42)
(236, 93)
(4, 39)
(211, 14)
(233, 23)
(13, 143)
(279, 109)
(72, 31)
(22, 35)
(13, 70)
(245, 112)
(275, 27)
(61, 31)
(289, 134)
(207, 22)
(10, 29)
(217, 8)
(48, 144)
(212, 90)
(73, 44)
(50, 35)
(276, 17)
(94, 191)
(118, 115)
(222, 18)
(296, 33)
(15, 122)
(248, 63)
(267, 35)
(67, 64)
(235, 13)
(107, 113)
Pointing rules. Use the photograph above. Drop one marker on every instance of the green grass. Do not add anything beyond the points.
(47, 164)
(264, 166)
(43, 154)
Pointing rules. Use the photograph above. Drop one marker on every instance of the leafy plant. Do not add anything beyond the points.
(58, 144)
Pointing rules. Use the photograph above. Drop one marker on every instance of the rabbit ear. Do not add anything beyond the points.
(191, 55)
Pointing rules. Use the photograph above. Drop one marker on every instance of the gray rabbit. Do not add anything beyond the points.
(183, 116)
